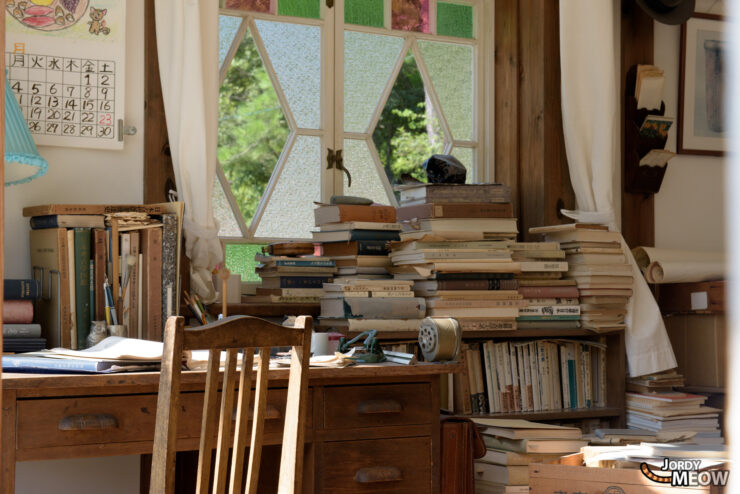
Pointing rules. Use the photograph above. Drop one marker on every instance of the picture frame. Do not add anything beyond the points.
(701, 124)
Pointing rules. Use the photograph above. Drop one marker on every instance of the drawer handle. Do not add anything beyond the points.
(379, 406)
(271, 413)
(372, 475)
(88, 422)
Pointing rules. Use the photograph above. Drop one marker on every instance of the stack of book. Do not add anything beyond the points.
(113, 263)
(551, 302)
(531, 376)
(454, 247)
(292, 274)
(355, 237)
(20, 334)
(357, 305)
(511, 445)
(599, 267)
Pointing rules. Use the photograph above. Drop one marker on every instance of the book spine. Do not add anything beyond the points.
(469, 356)
(388, 308)
(99, 266)
(304, 281)
(82, 284)
(461, 387)
(49, 364)
(21, 289)
(492, 195)
(486, 325)
(59, 209)
(489, 378)
(151, 240)
(92, 289)
(494, 284)
(374, 235)
(550, 310)
(556, 380)
(602, 373)
(21, 330)
(169, 266)
(480, 386)
(543, 372)
(134, 284)
(548, 318)
(517, 391)
(47, 221)
(548, 291)
(476, 210)
(587, 376)
(524, 352)
(553, 301)
(304, 263)
(17, 311)
(536, 393)
(67, 324)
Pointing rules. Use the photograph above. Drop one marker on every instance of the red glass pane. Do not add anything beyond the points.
(267, 6)
(410, 15)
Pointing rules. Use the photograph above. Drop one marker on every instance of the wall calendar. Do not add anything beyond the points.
(66, 66)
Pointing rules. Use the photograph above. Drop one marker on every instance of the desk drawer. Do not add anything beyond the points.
(387, 465)
(117, 419)
(348, 407)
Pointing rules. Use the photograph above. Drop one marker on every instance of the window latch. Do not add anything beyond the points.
(334, 160)
(329, 4)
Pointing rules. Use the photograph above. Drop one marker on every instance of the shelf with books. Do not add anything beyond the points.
(573, 414)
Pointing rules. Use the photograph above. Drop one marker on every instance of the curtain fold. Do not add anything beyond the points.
(187, 44)
(590, 123)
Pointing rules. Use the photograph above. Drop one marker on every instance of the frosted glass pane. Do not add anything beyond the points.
(466, 157)
(368, 64)
(455, 20)
(227, 27)
(295, 53)
(254, 5)
(410, 15)
(289, 213)
(227, 224)
(365, 179)
(451, 69)
(364, 12)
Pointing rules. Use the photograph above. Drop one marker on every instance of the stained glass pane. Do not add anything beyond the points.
(410, 15)
(295, 53)
(450, 66)
(455, 20)
(368, 64)
(227, 27)
(252, 129)
(364, 12)
(227, 223)
(300, 8)
(466, 157)
(365, 179)
(266, 6)
(240, 259)
(289, 213)
(408, 131)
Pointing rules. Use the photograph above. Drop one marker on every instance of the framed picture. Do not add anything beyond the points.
(701, 105)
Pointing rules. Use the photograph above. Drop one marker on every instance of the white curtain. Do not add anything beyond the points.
(588, 53)
(187, 42)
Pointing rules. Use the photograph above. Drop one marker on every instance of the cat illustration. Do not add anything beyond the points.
(97, 24)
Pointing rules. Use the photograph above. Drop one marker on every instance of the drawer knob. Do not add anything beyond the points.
(88, 422)
(379, 406)
(372, 475)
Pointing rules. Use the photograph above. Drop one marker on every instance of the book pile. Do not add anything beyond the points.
(117, 264)
(292, 274)
(551, 302)
(20, 334)
(653, 405)
(355, 237)
(530, 376)
(454, 247)
(599, 267)
(511, 445)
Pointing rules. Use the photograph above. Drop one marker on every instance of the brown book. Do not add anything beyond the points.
(133, 288)
(548, 291)
(461, 443)
(461, 387)
(50, 209)
(151, 249)
(290, 249)
(472, 210)
(342, 213)
(99, 263)
(477, 284)
(355, 248)
(50, 260)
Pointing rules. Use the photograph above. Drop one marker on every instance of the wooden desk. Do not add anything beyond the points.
(359, 417)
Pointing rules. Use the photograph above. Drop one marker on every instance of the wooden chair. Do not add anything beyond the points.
(231, 334)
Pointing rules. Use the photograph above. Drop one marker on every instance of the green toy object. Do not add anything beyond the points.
(371, 353)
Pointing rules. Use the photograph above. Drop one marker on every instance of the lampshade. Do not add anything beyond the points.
(22, 160)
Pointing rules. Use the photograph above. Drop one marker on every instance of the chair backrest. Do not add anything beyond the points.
(232, 334)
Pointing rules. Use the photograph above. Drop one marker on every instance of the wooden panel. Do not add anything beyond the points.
(638, 211)
(348, 407)
(392, 465)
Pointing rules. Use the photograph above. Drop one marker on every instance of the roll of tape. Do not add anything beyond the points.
(439, 338)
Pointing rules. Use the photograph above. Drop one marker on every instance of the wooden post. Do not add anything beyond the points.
(224, 274)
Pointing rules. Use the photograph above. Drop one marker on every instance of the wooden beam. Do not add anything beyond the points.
(2, 195)
(638, 210)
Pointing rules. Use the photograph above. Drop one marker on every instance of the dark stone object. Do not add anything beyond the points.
(444, 169)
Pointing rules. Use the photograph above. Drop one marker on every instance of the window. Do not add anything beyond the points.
(386, 82)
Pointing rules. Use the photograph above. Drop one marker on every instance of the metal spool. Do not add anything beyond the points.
(439, 338)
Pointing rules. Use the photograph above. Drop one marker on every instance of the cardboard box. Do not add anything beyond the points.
(700, 344)
(569, 476)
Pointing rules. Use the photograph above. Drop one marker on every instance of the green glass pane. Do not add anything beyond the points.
(455, 20)
(466, 157)
(252, 129)
(368, 64)
(366, 182)
(408, 131)
(240, 259)
(364, 12)
(300, 8)
(450, 66)
(227, 27)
